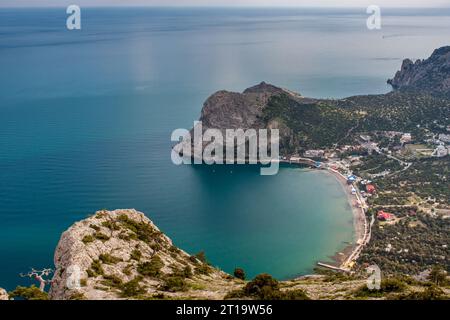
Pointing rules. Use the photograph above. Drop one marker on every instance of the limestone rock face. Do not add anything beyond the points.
(121, 254)
(232, 110)
(431, 75)
(3, 294)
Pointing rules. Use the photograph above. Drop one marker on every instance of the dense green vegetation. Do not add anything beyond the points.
(425, 178)
(265, 287)
(374, 164)
(323, 123)
(417, 243)
(314, 125)
(174, 284)
(398, 111)
(438, 276)
(142, 231)
(389, 285)
(430, 293)
(28, 293)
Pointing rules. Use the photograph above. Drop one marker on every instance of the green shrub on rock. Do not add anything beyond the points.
(151, 268)
(28, 293)
(265, 287)
(174, 284)
(438, 275)
(262, 282)
(203, 269)
(96, 269)
(389, 285)
(109, 259)
(136, 254)
(88, 239)
(202, 257)
(186, 272)
(101, 236)
(132, 288)
(430, 293)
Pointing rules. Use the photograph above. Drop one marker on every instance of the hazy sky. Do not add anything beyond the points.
(335, 3)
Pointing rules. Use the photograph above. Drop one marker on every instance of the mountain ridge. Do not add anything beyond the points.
(430, 75)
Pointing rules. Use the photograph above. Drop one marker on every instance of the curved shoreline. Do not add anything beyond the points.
(344, 260)
(360, 224)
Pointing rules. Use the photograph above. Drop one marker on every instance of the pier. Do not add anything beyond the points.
(300, 160)
(329, 266)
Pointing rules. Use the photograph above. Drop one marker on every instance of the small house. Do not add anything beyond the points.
(370, 188)
(385, 216)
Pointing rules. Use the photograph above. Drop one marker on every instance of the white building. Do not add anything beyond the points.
(444, 137)
(406, 138)
(314, 153)
(440, 151)
(365, 138)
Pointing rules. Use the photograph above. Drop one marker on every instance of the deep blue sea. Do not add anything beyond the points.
(86, 118)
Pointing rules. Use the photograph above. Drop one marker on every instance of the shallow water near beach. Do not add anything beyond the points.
(86, 118)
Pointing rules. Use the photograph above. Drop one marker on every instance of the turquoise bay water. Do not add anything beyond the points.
(86, 118)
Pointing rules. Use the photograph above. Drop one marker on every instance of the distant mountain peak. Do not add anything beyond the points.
(431, 75)
(263, 87)
(441, 51)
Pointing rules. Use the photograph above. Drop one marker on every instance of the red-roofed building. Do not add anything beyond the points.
(385, 216)
(370, 188)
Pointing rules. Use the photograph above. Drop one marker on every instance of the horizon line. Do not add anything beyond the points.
(222, 6)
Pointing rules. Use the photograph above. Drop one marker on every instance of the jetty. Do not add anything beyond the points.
(329, 266)
(301, 160)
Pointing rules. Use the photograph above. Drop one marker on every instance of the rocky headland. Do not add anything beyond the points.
(429, 75)
(121, 254)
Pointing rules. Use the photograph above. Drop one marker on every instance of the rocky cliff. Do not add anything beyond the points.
(234, 110)
(121, 254)
(247, 110)
(430, 75)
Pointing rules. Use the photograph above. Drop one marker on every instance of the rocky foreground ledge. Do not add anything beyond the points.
(121, 254)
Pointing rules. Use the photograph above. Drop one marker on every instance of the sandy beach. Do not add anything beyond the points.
(359, 220)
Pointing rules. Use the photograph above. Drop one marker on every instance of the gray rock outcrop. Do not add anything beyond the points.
(121, 254)
(431, 75)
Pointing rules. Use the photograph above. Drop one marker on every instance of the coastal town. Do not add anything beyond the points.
(396, 152)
